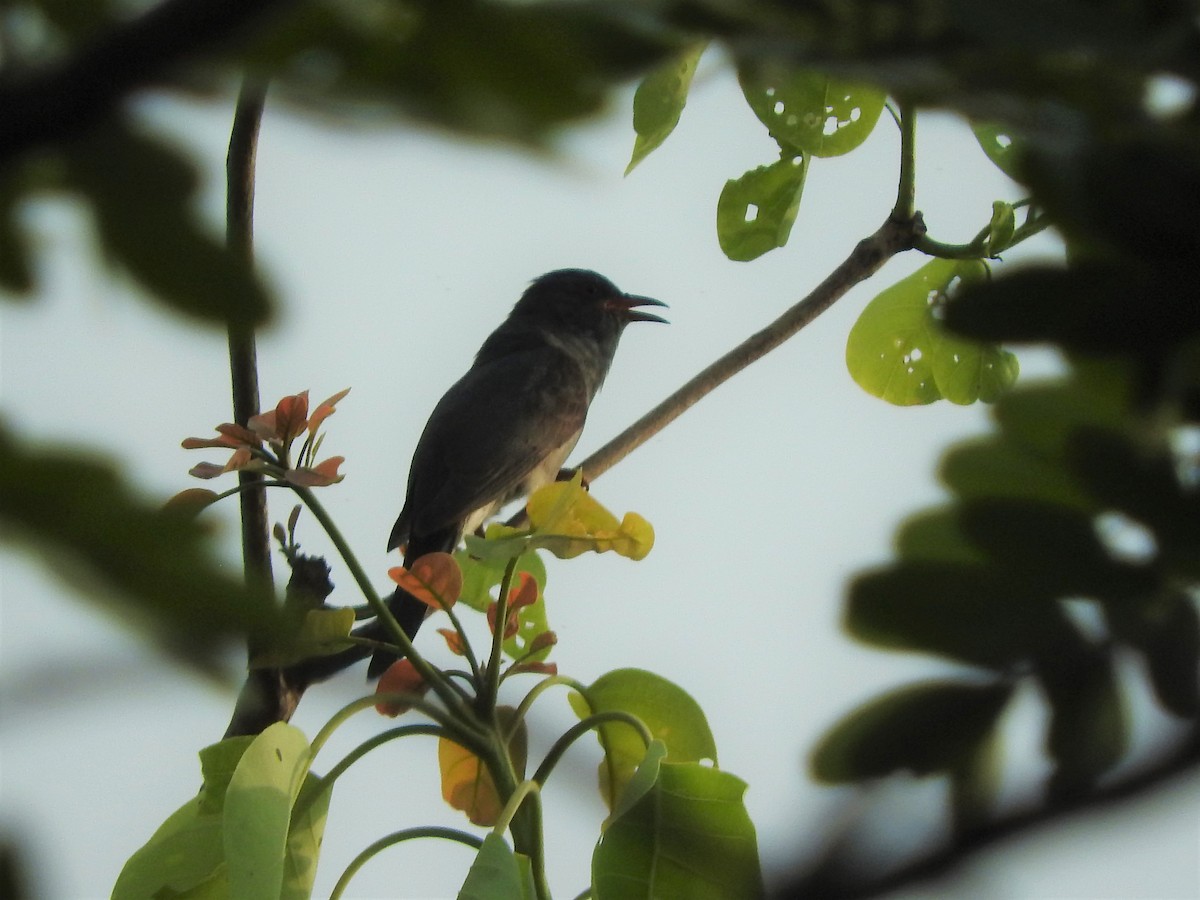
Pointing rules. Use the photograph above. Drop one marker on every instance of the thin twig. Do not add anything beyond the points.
(867, 258)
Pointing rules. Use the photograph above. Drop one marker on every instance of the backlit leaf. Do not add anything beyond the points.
(810, 111)
(755, 213)
(900, 352)
(498, 873)
(435, 579)
(665, 708)
(686, 835)
(659, 101)
(467, 785)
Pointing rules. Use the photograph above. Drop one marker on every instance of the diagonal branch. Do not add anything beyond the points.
(867, 258)
(840, 875)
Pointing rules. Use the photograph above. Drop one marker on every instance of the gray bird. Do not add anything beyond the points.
(506, 427)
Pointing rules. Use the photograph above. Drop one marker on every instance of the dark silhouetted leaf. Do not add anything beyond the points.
(998, 467)
(153, 566)
(1001, 147)
(491, 68)
(1089, 308)
(141, 194)
(1089, 728)
(1166, 630)
(976, 614)
(755, 213)
(934, 726)
(935, 536)
(1054, 549)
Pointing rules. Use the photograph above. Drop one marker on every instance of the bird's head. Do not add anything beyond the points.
(582, 304)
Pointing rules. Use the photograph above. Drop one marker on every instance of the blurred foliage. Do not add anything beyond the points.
(1090, 104)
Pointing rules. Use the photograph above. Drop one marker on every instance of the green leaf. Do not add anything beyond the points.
(258, 810)
(809, 111)
(935, 536)
(155, 570)
(934, 726)
(304, 839)
(1000, 467)
(141, 193)
(482, 577)
(899, 351)
(184, 857)
(755, 213)
(688, 835)
(1000, 145)
(1001, 229)
(659, 101)
(498, 873)
(665, 708)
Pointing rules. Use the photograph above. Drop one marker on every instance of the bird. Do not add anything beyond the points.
(507, 426)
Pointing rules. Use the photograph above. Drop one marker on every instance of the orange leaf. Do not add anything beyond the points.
(511, 626)
(321, 475)
(239, 434)
(291, 415)
(435, 579)
(190, 502)
(535, 668)
(542, 641)
(524, 592)
(195, 443)
(453, 641)
(324, 410)
(399, 678)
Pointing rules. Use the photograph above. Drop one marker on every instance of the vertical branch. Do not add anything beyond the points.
(268, 696)
(243, 361)
(906, 193)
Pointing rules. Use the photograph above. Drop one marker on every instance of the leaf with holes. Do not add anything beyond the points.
(1001, 147)
(900, 352)
(809, 111)
(755, 213)
(659, 102)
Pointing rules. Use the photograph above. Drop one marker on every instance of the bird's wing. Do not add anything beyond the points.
(492, 429)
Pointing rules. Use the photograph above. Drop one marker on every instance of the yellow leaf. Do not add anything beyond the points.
(466, 783)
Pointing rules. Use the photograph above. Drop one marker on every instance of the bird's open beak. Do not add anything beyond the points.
(626, 306)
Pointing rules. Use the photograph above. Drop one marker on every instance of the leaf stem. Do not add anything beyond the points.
(491, 677)
(405, 834)
(581, 728)
(906, 193)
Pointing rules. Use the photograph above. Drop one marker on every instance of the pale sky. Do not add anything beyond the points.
(395, 251)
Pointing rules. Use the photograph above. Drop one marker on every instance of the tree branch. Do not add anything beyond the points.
(839, 874)
(867, 258)
(68, 97)
(243, 355)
